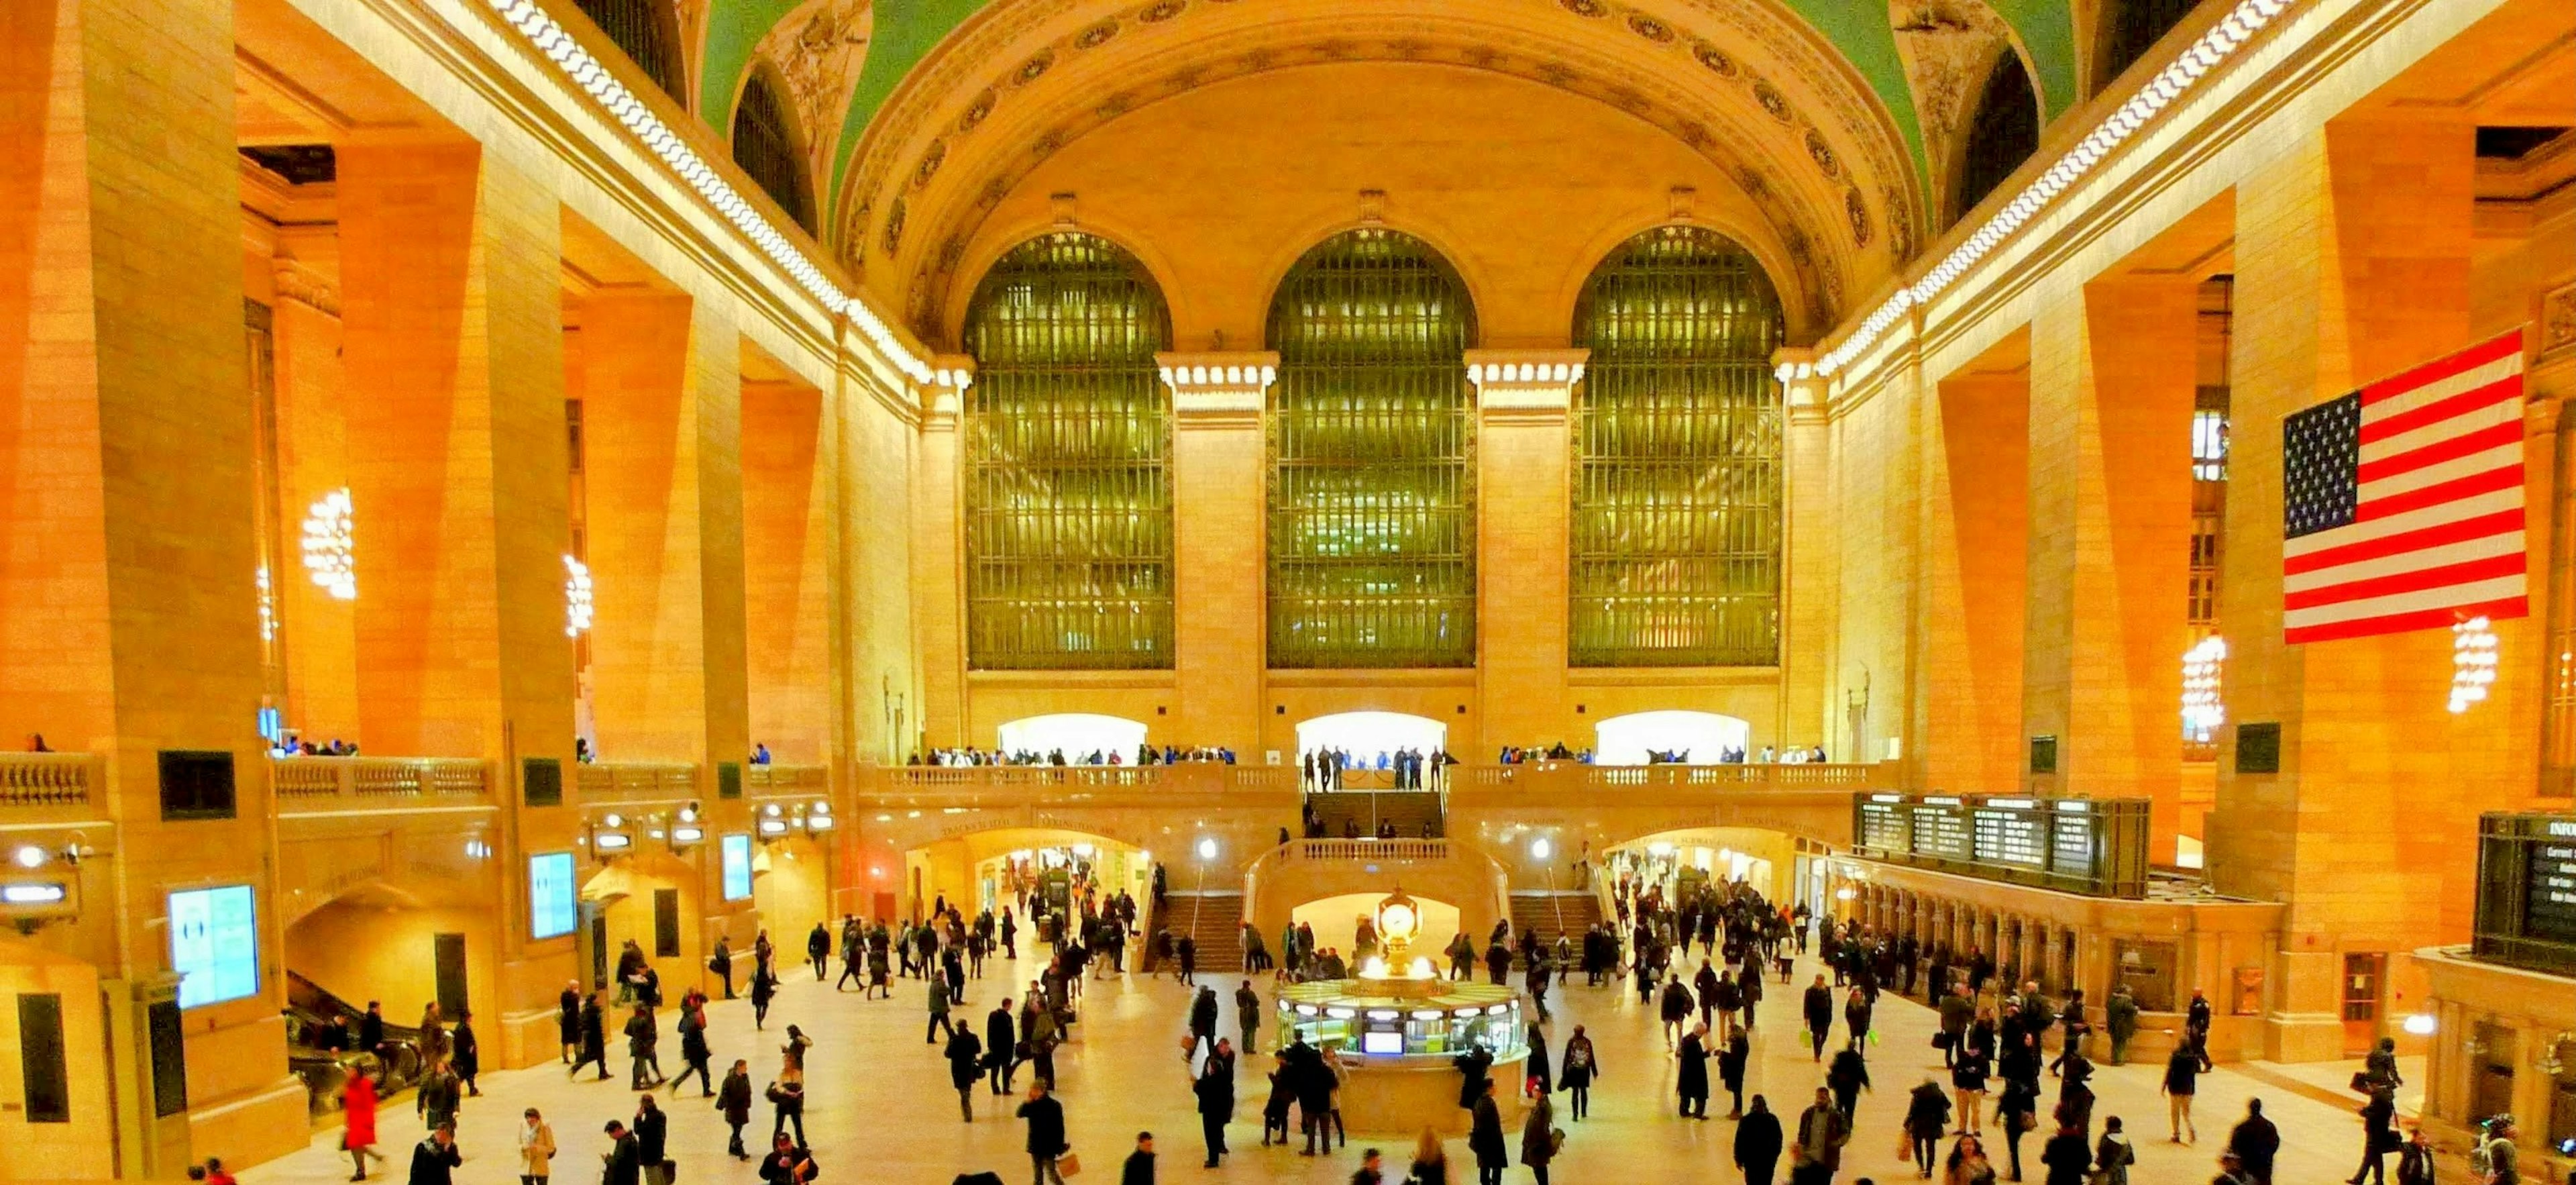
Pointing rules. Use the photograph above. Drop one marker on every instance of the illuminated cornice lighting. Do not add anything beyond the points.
(595, 80)
(2203, 710)
(1525, 374)
(330, 553)
(578, 608)
(267, 605)
(2473, 662)
(2214, 47)
(1180, 377)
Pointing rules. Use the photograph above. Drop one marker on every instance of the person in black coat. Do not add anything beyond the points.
(568, 1020)
(965, 1067)
(1045, 1117)
(622, 1164)
(1540, 1070)
(1139, 1169)
(2378, 1133)
(652, 1136)
(1731, 1062)
(1847, 1077)
(786, 1164)
(1001, 1047)
(2068, 1156)
(594, 1038)
(465, 1053)
(1582, 1065)
(1485, 1139)
(1691, 1079)
(733, 1100)
(1819, 1011)
(1214, 1089)
(2256, 1143)
(1474, 1067)
(434, 1160)
(1757, 1143)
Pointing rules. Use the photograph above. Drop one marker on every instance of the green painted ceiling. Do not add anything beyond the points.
(906, 31)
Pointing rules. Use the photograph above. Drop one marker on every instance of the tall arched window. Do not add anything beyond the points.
(1372, 431)
(767, 150)
(2130, 28)
(1677, 489)
(649, 32)
(1068, 435)
(2002, 134)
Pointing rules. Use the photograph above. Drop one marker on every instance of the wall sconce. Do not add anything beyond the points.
(330, 545)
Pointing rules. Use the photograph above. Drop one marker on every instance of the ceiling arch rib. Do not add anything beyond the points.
(1844, 196)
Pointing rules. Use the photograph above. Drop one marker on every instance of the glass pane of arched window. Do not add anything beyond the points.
(1677, 427)
(1371, 437)
(647, 31)
(767, 151)
(1068, 434)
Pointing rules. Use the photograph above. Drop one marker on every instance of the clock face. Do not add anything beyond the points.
(1398, 919)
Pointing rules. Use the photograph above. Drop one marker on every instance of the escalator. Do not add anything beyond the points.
(310, 1011)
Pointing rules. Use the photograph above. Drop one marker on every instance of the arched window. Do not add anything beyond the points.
(1372, 430)
(649, 32)
(2002, 134)
(1068, 435)
(1677, 488)
(767, 150)
(2132, 27)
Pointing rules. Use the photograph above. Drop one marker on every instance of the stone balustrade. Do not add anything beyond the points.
(639, 781)
(784, 781)
(1368, 851)
(42, 787)
(301, 782)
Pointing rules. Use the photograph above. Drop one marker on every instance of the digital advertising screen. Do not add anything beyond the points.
(550, 895)
(737, 867)
(214, 944)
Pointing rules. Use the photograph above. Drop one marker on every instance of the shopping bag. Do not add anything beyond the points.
(1068, 1165)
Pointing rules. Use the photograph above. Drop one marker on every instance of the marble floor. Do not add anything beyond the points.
(879, 1107)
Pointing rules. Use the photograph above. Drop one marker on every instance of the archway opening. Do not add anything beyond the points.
(1679, 863)
(403, 944)
(1369, 737)
(1670, 737)
(1082, 738)
(1033, 872)
(1336, 919)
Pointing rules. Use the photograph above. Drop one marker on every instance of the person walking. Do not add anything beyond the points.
(2182, 1081)
(1582, 1065)
(1848, 1075)
(568, 1019)
(938, 1025)
(1430, 1161)
(2120, 1016)
(643, 1038)
(764, 988)
(358, 1113)
(1045, 1142)
(818, 950)
(1214, 1091)
(1539, 1139)
(594, 1038)
(434, 1159)
(1485, 1138)
(2415, 1160)
(436, 1099)
(2067, 1157)
(652, 1131)
(1247, 1014)
(1202, 1037)
(1968, 1164)
(733, 1101)
(787, 1101)
(465, 1053)
(2112, 1155)
(2255, 1142)
(1968, 1085)
(786, 1164)
(1732, 1062)
(1139, 1168)
(1927, 1118)
(2018, 1111)
(1757, 1143)
(2378, 1132)
(1818, 1008)
(536, 1148)
(1001, 1047)
(1691, 1077)
(965, 1055)
(1823, 1129)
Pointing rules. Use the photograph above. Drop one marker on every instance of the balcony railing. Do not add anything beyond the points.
(1361, 851)
(615, 781)
(1570, 775)
(767, 781)
(933, 785)
(380, 781)
(40, 787)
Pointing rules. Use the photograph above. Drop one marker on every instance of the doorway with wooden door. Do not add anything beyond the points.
(2365, 982)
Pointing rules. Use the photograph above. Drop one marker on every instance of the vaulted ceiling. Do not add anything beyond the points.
(1843, 117)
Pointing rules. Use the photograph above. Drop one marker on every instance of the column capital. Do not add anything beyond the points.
(1529, 384)
(1215, 388)
(943, 397)
(1806, 390)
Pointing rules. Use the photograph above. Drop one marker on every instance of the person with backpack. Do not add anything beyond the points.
(1581, 1065)
(2496, 1161)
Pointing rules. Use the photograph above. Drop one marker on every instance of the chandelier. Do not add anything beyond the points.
(2202, 709)
(577, 603)
(329, 554)
(2473, 662)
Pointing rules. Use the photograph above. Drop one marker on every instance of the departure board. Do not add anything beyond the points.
(1883, 825)
(2011, 835)
(2094, 846)
(2526, 912)
(2549, 911)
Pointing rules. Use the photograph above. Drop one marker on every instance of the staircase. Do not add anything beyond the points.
(1549, 914)
(1363, 810)
(1215, 922)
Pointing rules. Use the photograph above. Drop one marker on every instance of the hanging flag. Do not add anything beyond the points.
(2402, 502)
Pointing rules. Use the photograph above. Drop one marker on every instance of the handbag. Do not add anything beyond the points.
(1941, 1040)
(2360, 1082)
(1068, 1165)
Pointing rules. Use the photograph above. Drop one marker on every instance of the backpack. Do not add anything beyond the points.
(1579, 1058)
(2482, 1158)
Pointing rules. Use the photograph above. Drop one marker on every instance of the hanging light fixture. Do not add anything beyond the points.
(330, 554)
(2202, 709)
(2473, 662)
(578, 608)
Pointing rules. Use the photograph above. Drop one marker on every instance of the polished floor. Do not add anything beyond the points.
(879, 1107)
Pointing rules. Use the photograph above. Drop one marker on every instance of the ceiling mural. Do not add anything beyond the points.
(820, 50)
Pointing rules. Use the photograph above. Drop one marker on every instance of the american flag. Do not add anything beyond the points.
(2402, 502)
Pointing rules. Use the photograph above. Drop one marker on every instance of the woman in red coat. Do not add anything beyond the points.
(358, 1107)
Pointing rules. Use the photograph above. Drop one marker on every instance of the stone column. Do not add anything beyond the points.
(1220, 626)
(787, 584)
(1975, 560)
(2353, 258)
(128, 608)
(1523, 462)
(2112, 379)
(312, 452)
(1810, 589)
(452, 328)
(938, 563)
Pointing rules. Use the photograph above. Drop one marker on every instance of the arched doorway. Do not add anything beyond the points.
(1674, 736)
(1365, 735)
(1673, 861)
(1076, 735)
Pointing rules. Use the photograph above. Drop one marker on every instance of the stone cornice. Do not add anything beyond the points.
(304, 286)
(943, 398)
(1218, 389)
(1525, 385)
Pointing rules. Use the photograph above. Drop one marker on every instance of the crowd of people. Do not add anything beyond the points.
(1397, 769)
(969, 755)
